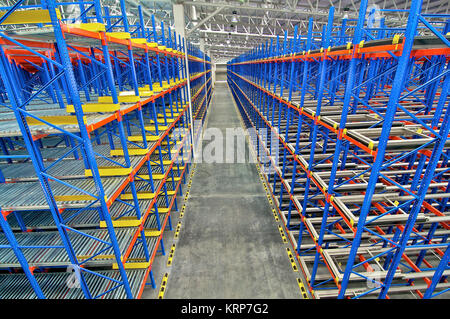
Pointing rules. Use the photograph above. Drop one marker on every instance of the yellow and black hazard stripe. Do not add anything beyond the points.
(171, 254)
(283, 236)
(302, 289)
(291, 259)
(177, 230)
(162, 289)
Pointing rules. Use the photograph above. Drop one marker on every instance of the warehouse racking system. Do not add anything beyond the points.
(96, 132)
(352, 131)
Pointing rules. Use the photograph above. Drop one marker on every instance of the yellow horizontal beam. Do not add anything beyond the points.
(93, 27)
(163, 152)
(140, 195)
(139, 40)
(29, 16)
(131, 151)
(144, 195)
(156, 177)
(169, 113)
(95, 107)
(133, 265)
(175, 114)
(55, 120)
(153, 127)
(110, 171)
(146, 93)
(96, 257)
(124, 222)
(121, 98)
(152, 232)
(138, 138)
(66, 198)
(161, 120)
(119, 35)
(147, 177)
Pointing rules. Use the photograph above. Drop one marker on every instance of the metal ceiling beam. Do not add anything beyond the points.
(216, 46)
(223, 18)
(204, 20)
(244, 34)
(245, 7)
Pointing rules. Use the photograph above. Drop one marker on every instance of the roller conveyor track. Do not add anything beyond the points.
(394, 220)
(54, 285)
(351, 292)
(47, 34)
(67, 169)
(35, 200)
(47, 152)
(119, 209)
(9, 116)
(84, 247)
(330, 115)
(350, 171)
(151, 222)
(88, 218)
(156, 169)
(10, 128)
(143, 186)
(34, 106)
(137, 253)
(43, 220)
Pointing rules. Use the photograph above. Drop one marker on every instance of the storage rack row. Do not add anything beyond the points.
(201, 90)
(352, 134)
(95, 147)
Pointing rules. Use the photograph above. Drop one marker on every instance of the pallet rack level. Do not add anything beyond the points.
(95, 145)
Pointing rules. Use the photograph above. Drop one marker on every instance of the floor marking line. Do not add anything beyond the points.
(162, 290)
(177, 231)
(291, 259)
(283, 236)
(302, 289)
(171, 254)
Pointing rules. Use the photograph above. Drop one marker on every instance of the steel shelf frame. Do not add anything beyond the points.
(133, 160)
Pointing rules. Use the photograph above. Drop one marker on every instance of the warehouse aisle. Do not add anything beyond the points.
(229, 243)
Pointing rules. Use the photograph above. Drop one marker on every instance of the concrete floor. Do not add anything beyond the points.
(229, 245)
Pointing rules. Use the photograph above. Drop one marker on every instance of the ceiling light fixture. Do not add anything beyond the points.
(193, 13)
(234, 17)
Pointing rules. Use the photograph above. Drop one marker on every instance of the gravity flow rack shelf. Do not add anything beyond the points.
(96, 142)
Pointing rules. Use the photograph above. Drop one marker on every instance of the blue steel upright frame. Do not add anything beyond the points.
(119, 165)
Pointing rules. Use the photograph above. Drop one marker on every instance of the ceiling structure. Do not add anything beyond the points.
(228, 28)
